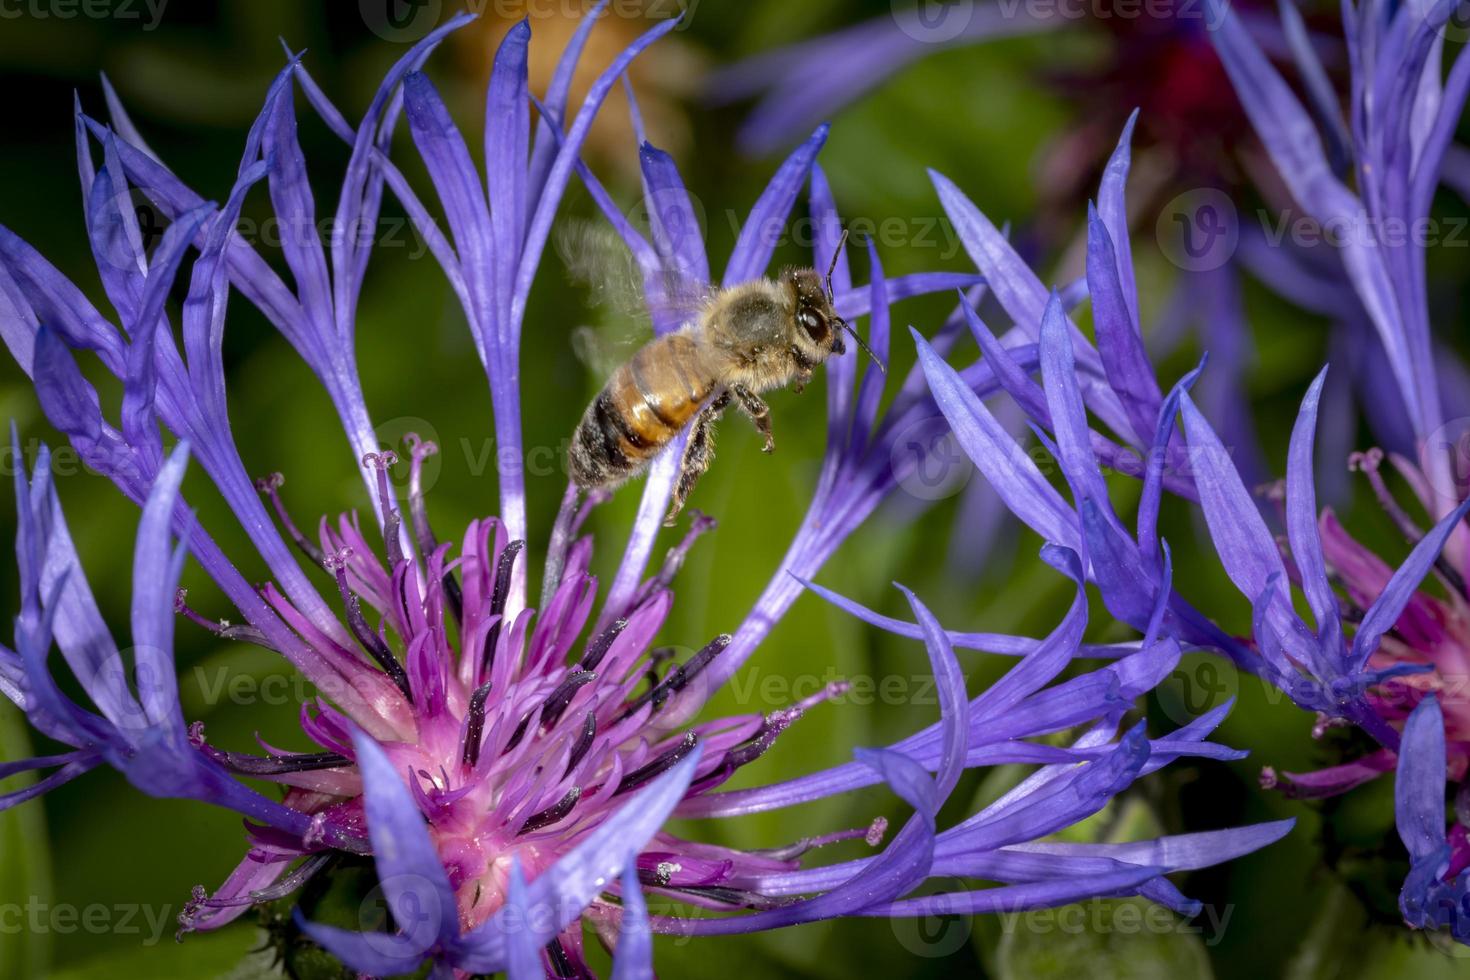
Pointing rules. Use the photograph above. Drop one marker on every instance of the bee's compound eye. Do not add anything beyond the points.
(812, 324)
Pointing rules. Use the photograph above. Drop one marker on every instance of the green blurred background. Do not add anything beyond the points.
(1319, 904)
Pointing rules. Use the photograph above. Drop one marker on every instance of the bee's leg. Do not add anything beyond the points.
(698, 452)
(803, 369)
(759, 412)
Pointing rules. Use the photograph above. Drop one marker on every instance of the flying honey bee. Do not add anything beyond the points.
(743, 341)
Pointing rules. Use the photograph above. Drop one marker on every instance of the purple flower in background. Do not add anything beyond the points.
(1379, 647)
(1402, 113)
(809, 81)
(508, 768)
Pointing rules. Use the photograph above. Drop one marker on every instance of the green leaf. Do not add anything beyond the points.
(1342, 942)
(234, 953)
(1127, 939)
(25, 856)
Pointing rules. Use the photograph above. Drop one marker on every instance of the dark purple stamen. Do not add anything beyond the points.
(370, 641)
(584, 741)
(600, 644)
(733, 897)
(657, 877)
(557, 811)
(562, 965)
(757, 745)
(498, 596)
(674, 560)
(381, 462)
(519, 733)
(678, 678)
(658, 766)
(275, 765)
(269, 486)
(423, 532)
(562, 696)
(222, 629)
(475, 726)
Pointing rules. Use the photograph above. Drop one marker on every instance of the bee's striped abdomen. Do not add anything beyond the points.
(644, 405)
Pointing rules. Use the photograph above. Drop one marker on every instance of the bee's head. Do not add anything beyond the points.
(818, 327)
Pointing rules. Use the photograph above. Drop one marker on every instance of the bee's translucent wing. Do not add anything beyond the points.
(602, 349)
(598, 261)
(640, 298)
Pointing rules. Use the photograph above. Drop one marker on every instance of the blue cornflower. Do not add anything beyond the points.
(510, 779)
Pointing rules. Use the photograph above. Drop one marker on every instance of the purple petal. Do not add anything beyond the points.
(1021, 293)
(1068, 415)
(448, 161)
(557, 93)
(560, 172)
(522, 952)
(953, 708)
(1246, 547)
(374, 953)
(1009, 469)
(156, 569)
(1019, 898)
(1183, 852)
(633, 959)
(676, 231)
(1419, 785)
(1301, 513)
(1112, 208)
(767, 219)
(999, 643)
(409, 868)
(507, 142)
(1119, 342)
(295, 209)
(569, 885)
(1158, 458)
(1017, 383)
(870, 392)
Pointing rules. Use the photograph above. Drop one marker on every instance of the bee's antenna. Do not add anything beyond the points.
(863, 344)
(831, 296)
